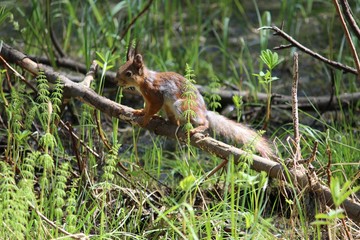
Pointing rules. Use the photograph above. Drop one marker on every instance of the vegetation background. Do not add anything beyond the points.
(164, 193)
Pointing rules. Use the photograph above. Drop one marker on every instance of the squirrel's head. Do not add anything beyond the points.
(132, 72)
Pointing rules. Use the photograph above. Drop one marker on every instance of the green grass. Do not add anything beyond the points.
(47, 176)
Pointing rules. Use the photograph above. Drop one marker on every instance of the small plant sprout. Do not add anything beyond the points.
(271, 60)
(339, 195)
(211, 97)
(238, 102)
(106, 62)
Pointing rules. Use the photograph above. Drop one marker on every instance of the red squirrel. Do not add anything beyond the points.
(164, 90)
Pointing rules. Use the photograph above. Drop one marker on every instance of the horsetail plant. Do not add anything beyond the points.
(189, 94)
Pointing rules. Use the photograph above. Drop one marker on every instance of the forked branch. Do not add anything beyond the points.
(348, 38)
(294, 43)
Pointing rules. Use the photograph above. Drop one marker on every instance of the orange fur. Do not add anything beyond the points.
(164, 90)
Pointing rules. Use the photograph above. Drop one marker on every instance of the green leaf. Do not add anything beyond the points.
(101, 56)
(321, 223)
(249, 219)
(327, 217)
(187, 182)
(337, 213)
(237, 101)
(321, 215)
(340, 195)
(271, 59)
(22, 135)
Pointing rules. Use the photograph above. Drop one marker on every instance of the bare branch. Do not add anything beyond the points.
(71, 64)
(350, 17)
(306, 50)
(348, 38)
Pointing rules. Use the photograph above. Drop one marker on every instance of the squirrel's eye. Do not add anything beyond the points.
(128, 74)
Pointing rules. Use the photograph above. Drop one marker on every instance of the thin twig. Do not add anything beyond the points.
(6, 72)
(306, 50)
(56, 42)
(51, 223)
(295, 110)
(284, 46)
(350, 18)
(346, 229)
(59, 52)
(81, 163)
(101, 132)
(135, 19)
(124, 32)
(71, 64)
(217, 168)
(348, 38)
(18, 74)
(313, 153)
(328, 166)
(73, 135)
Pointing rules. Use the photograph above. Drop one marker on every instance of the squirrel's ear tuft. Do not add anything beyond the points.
(138, 60)
(132, 50)
(130, 53)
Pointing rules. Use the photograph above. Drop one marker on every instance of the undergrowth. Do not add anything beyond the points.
(67, 168)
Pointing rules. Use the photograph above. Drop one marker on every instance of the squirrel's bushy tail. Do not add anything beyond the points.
(238, 133)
